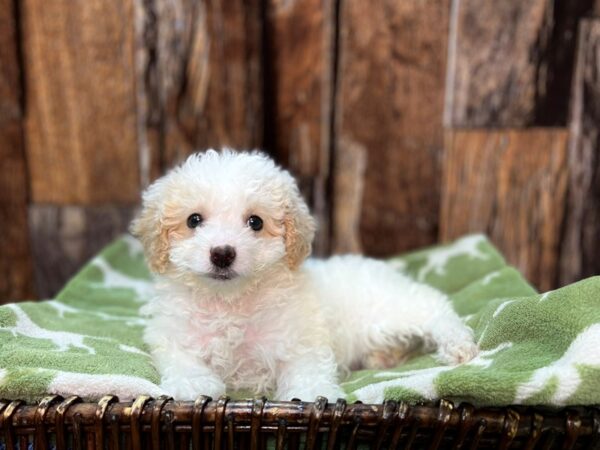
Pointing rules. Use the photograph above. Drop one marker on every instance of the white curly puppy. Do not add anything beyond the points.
(237, 306)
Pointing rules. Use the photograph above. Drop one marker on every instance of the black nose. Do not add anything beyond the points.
(222, 257)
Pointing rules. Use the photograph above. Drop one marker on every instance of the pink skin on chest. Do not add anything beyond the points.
(237, 327)
(252, 336)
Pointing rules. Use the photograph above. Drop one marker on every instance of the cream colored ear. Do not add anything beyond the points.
(299, 229)
(148, 228)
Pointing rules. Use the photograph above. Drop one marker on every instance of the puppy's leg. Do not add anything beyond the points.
(427, 314)
(370, 308)
(452, 338)
(309, 375)
(184, 375)
(386, 358)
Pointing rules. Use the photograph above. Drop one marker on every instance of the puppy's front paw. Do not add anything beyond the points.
(182, 388)
(457, 352)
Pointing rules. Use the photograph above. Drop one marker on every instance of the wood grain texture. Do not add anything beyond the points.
(16, 281)
(81, 104)
(348, 191)
(150, 112)
(581, 243)
(510, 184)
(389, 103)
(11, 91)
(299, 81)
(63, 238)
(510, 62)
(200, 68)
(558, 61)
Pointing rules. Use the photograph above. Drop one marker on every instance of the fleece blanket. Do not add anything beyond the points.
(535, 348)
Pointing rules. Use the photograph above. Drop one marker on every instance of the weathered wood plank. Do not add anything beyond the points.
(81, 104)
(581, 245)
(510, 184)
(558, 62)
(11, 91)
(509, 62)
(299, 80)
(16, 281)
(389, 105)
(201, 71)
(63, 238)
(348, 191)
(150, 114)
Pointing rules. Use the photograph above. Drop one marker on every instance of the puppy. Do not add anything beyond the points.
(238, 308)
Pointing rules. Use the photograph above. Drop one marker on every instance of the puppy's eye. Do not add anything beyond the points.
(194, 220)
(255, 222)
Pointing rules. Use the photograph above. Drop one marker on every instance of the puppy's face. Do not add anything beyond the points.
(223, 219)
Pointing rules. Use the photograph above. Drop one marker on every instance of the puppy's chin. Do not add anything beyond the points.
(223, 282)
(222, 275)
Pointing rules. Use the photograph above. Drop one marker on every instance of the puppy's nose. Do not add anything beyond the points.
(222, 257)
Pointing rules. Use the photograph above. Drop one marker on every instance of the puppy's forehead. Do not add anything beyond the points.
(234, 179)
(230, 166)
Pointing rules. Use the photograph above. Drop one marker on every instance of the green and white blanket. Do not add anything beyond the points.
(535, 348)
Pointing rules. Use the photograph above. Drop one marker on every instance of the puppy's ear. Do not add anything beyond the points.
(151, 232)
(299, 227)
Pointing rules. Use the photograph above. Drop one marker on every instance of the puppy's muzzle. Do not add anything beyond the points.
(222, 257)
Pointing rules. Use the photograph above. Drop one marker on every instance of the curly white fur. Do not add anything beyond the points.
(275, 325)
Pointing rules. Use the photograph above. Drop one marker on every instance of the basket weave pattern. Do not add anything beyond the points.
(259, 424)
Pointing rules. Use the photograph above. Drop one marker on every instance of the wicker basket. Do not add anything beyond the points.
(260, 424)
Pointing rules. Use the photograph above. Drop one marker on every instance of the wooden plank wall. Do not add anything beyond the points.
(511, 184)
(511, 63)
(388, 124)
(201, 76)
(580, 246)
(80, 130)
(80, 126)
(299, 64)
(16, 279)
(404, 122)
(113, 108)
(510, 68)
